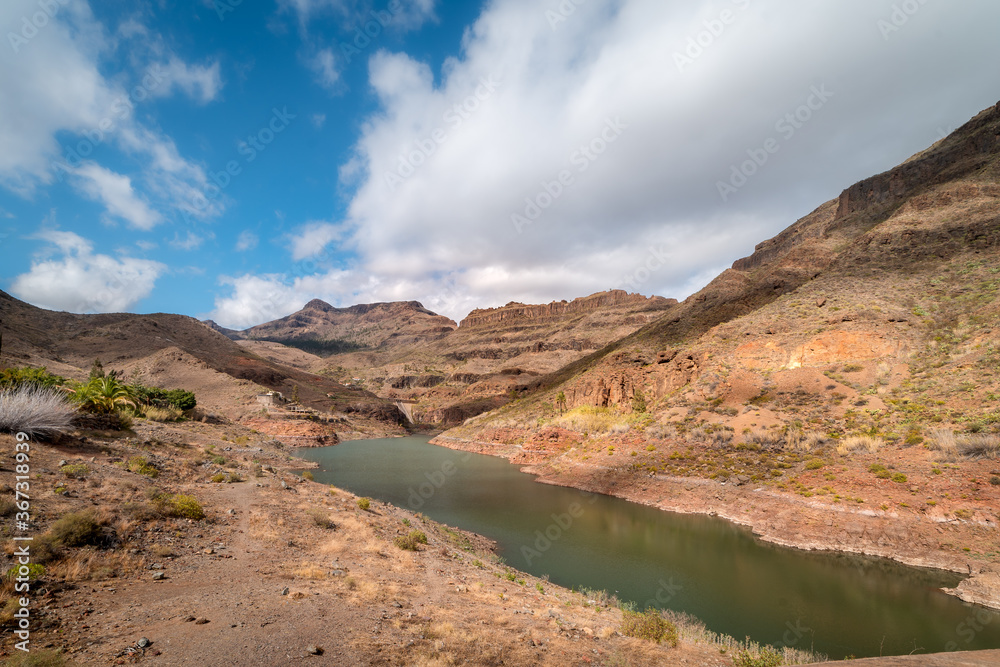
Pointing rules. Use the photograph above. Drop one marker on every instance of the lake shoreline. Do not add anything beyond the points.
(803, 524)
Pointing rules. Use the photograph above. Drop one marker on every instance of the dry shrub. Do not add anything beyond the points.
(37, 658)
(91, 565)
(979, 446)
(168, 414)
(648, 625)
(857, 443)
(309, 571)
(37, 411)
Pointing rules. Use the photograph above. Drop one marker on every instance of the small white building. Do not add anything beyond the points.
(271, 399)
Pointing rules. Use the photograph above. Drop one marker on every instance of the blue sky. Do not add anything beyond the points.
(234, 161)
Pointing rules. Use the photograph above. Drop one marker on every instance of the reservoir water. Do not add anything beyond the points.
(838, 604)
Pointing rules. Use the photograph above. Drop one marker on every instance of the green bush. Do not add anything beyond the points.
(411, 541)
(758, 656)
(815, 464)
(184, 507)
(35, 570)
(308, 475)
(364, 503)
(12, 378)
(219, 477)
(899, 478)
(139, 465)
(648, 625)
(179, 506)
(75, 470)
(76, 529)
(180, 399)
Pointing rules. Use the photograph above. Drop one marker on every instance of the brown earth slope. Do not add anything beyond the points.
(850, 363)
(68, 343)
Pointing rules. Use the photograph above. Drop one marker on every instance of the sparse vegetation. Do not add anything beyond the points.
(364, 503)
(649, 625)
(411, 541)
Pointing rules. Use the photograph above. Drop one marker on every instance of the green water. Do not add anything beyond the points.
(834, 603)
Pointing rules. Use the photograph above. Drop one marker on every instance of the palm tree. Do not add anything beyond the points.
(561, 401)
(104, 395)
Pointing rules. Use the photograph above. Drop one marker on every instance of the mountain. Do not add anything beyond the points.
(143, 345)
(321, 329)
(447, 374)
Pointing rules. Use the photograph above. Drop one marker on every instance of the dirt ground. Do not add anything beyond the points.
(283, 570)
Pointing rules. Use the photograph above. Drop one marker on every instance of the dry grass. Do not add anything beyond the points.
(969, 445)
(588, 419)
(309, 571)
(94, 565)
(36, 411)
(859, 443)
(169, 414)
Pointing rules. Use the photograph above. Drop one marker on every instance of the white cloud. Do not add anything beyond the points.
(116, 193)
(411, 14)
(246, 241)
(312, 238)
(318, 120)
(53, 86)
(255, 299)
(200, 82)
(324, 66)
(528, 99)
(190, 240)
(83, 282)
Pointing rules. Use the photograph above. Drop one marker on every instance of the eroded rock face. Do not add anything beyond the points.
(514, 311)
(969, 148)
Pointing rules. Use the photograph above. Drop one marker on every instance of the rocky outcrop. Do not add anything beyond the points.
(981, 588)
(969, 148)
(518, 312)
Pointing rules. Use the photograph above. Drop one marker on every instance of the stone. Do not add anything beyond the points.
(312, 649)
(201, 621)
(284, 591)
(142, 643)
(159, 576)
